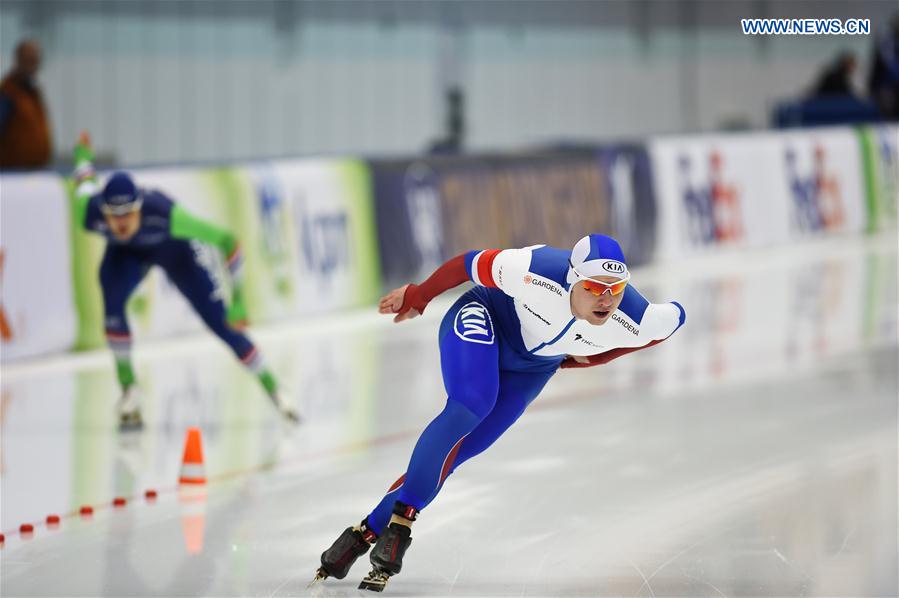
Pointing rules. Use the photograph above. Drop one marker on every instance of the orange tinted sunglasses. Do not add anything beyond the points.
(598, 288)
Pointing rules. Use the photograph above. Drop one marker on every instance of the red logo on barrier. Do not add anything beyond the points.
(830, 200)
(712, 207)
(725, 203)
(817, 200)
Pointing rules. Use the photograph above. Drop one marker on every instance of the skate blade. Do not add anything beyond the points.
(320, 576)
(374, 582)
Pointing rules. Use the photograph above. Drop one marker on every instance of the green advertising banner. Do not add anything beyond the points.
(880, 157)
(311, 239)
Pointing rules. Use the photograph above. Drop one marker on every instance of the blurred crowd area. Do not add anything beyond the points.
(162, 82)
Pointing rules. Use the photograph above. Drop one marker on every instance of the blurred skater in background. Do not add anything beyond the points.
(144, 228)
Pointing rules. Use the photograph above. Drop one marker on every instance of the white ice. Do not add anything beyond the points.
(754, 453)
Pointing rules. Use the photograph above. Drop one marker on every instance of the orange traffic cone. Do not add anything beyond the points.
(192, 470)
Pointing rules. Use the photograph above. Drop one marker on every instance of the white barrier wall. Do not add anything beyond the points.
(819, 173)
(36, 299)
(756, 190)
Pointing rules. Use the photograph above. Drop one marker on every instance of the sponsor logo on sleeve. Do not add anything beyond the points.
(528, 279)
(538, 316)
(473, 324)
(627, 325)
(580, 337)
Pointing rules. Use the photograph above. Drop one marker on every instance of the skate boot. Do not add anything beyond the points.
(129, 410)
(349, 546)
(387, 555)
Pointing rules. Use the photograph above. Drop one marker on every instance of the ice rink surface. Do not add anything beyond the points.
(752, 454)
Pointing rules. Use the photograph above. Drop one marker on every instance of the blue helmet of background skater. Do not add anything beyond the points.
(120, 195)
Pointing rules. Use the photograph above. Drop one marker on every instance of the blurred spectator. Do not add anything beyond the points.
(837, 77)
(24, 130)
(883, 80)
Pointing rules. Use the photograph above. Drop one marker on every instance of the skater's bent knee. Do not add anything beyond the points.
(473, 406)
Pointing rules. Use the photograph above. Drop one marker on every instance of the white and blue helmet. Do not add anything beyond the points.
(596, 255)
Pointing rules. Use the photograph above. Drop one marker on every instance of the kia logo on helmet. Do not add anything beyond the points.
(613, 267)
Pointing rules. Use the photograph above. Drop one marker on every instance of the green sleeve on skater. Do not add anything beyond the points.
(185, 225)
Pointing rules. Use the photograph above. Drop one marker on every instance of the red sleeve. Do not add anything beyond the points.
(606, 357)
(482, 267)
(449, 275)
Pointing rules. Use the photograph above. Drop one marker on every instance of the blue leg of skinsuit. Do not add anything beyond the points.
(121, 271)
(193, 280)
(482, 403)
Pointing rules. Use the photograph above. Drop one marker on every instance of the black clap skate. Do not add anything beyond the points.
(349, 546)
(387, 555)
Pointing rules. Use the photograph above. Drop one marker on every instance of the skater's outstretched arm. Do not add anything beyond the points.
(662, 312)
(410, 300)
(85, 178)
(185, 225)
(483, 268)
(603, 358)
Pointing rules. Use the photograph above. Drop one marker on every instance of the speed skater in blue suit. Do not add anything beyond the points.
(531, 312)
(145, 228)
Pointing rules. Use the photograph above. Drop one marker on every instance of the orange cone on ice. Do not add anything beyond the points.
(192, 470)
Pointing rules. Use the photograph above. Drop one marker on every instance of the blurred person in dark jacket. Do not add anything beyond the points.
(883, 80)
(24, 129)
(836, 79)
